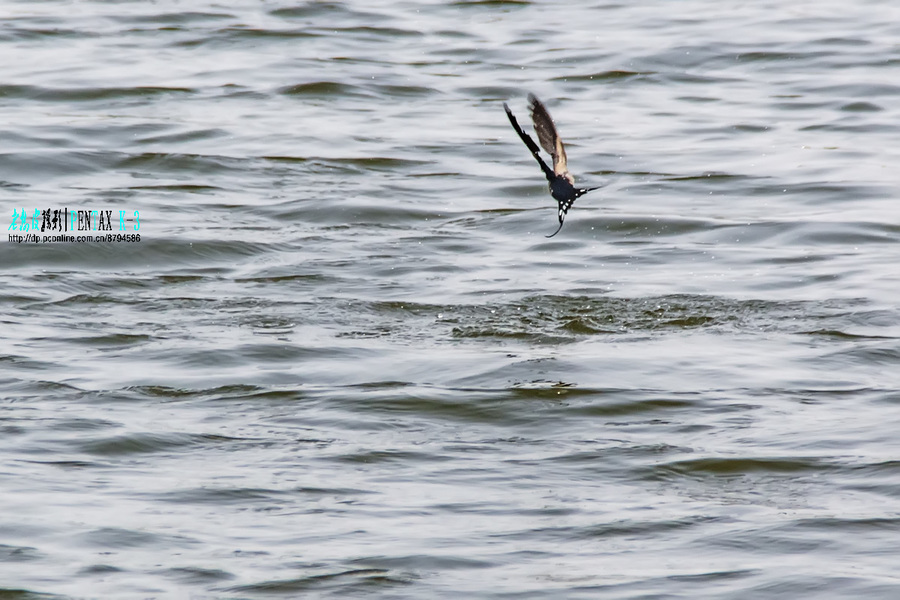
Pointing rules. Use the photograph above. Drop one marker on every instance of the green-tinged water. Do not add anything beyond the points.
(342, 360)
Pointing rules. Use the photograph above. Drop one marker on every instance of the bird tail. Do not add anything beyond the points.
(564, 207)
(558, 229)
(563, 210)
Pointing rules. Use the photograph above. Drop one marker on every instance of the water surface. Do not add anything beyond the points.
(344, 361)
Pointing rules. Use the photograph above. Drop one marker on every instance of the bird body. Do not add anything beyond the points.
(561, 182)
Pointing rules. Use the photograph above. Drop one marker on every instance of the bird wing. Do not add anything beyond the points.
(547, 136)
(535, 151)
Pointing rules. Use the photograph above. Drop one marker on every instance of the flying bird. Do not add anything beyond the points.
(562, 184)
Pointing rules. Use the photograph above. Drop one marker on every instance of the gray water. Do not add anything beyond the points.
(342, 360)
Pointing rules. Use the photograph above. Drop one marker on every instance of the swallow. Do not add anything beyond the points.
(562, 184)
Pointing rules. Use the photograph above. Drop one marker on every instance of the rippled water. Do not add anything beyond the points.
(344, 361)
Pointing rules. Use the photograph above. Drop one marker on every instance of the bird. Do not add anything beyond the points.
(562, 184)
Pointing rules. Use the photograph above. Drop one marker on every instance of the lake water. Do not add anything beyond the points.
(343, 360)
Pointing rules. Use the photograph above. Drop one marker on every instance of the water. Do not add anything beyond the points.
(344, 361)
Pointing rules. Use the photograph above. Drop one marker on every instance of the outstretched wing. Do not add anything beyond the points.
(535, 151)
(547, 136)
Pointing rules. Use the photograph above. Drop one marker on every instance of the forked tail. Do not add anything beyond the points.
(558, 229)
(566, 205)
